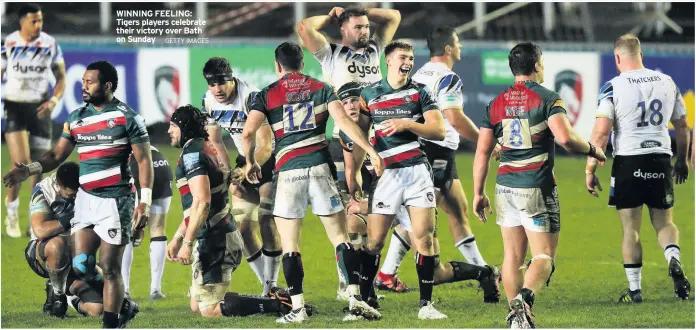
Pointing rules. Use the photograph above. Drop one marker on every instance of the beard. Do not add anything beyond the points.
(97, 98)
(361, 43)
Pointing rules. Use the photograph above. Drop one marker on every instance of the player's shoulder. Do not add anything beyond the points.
(124, 108)
(417, 86)
(11, 38)
(154, 150)
(246, 87)
(46, 38)
(78, 114)
(545, 93)
(193, 146)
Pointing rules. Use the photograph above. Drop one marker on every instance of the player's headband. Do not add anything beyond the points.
(219, 78)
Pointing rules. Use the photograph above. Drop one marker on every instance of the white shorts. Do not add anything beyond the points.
(160, 205)
(535, 209)
(407, 186)
(111, 217)
(403, 219)
(294, 190)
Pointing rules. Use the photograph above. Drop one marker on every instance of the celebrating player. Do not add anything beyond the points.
(25, 56)
(161, 199)
(104, 131)
(402, 111)
(637, 105)
(225, 103)
(525, 119)
(297, 108)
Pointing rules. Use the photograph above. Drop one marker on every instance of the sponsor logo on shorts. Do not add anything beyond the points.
(112, 232)
(381, 205)
(508, 191)
(650, 144)
(430, 196)
(669, 199)
(335, 201)
(195, 274)
(539, 221)
(647, 176)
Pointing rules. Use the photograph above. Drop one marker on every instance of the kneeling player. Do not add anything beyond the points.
(48, 251)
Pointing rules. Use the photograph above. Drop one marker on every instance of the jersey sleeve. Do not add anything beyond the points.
(38, 202)
(136, 130)
(449, 92)
(57, 55)
(329, 94)
(364, 110)
(486, 122)
(346, 142)
(3, 55)
(323, 55)
(257, 102)
(679, 105)
(427, 102)
(379, 43)
(556, 106)
(195, 163)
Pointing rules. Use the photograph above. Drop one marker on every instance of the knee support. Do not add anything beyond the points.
(546, 257)
(242, 210)
(266, 207)
(84, 266)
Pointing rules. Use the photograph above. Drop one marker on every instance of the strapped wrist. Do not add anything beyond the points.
(146, 196)
(35, 168)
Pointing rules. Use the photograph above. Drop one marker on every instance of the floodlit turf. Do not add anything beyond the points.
(583, 293)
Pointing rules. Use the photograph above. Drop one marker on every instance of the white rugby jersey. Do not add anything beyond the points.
(446, 89)
(27, 66)
(641, 103)
(341, 65)
(45, 193)
(232, 116)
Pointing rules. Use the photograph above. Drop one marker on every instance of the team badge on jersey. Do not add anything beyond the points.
(111, 123)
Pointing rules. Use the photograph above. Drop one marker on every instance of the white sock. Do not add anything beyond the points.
(126, 265)
(256, 264)
(58, 279)
(395, 255)
(342, 283)
(158, 246)
(12, 206)
(633, 275)
(672, 251)
(297, 301)
(470, 251)
(271, 267)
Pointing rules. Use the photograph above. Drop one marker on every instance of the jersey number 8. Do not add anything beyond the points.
(655, 114)
(298, 113)
(516, 133)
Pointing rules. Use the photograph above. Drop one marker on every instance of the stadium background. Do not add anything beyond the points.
(577, 42)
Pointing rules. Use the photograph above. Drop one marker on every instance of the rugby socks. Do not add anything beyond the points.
(126, 265)
(59, 278)
(256, 264)
(633, 274)
(110, 320)
(12, 206)
(294, 276)
(672, 251)
(463, 271)
(527, 296)
(236, 304)
(395, 255)
(271, 267)
(158, 246)
(470, 251)
(370, 264)
(425, 267)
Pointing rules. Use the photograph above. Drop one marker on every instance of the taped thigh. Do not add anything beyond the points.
(242, 209)
(547, 257)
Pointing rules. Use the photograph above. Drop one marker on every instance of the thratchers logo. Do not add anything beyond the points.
(363, 70)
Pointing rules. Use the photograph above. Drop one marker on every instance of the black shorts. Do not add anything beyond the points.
(642, 179)
(32, 258)
(22, 117)
(444, 165)
(267, 170)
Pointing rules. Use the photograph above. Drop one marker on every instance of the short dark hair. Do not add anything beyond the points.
(107, 73)
(289, 55)
(351, 12)
(217, 65)
(523, 58)
(439, 38)
(394, 45)
(28, 8)
(191, 121)
(68, 175)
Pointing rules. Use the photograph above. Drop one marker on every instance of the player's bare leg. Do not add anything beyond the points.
(632, 252)
(158, 246)
(57, 263)
(515, 251)
(244, 210)
(18, 145)
(454, 203)
(85, 243)
(269, 237)
(378, 226)
(423, 223)
(668, 238)
(88, 308)
(349, 261)
(110, 258)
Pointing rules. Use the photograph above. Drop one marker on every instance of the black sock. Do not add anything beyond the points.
(464, 271)
(528, 296)
(110, 320)
(236, 304)
(370, 265)
(294, 272)
(425, 266)
(349, 262)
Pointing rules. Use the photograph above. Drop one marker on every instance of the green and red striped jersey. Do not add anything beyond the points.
(296, 107)
(380, 102)
(518, 118)
(104, 140)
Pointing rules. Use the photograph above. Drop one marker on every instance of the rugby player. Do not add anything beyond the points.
(207, 238)
(526, 120)
(105, 132)
(402, 111)
(637, 106)
(356, 59)
(29, 57)
(225, 104)
(161, 200)
(297, 107)
(48, 252)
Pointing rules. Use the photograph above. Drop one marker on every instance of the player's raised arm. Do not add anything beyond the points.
(388, 19)
(308, 30)
(48, 162)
